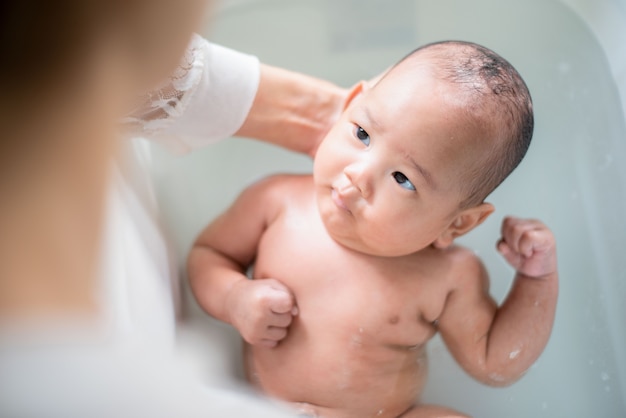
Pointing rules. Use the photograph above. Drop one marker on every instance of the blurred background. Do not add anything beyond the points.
(572, 57)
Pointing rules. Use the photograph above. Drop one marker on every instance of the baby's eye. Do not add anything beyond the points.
(403, 181)
(362, 136)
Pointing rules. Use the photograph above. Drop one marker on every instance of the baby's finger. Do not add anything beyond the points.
(514, 233)
(512, 257)
(537, 240)
(527, 243)
(508, 223)
(280, 320)
(275, 333)
(512, 225)
(283, 303)
(511, 221)
(502, 247)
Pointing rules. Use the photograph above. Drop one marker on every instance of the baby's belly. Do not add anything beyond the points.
(347, 376)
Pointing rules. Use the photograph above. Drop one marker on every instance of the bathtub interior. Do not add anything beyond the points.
(572, 177)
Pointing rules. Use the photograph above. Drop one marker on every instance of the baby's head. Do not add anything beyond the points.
(413, 157)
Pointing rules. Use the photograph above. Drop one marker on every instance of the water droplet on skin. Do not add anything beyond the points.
(496, 377)
(380, 412)
(514, 354)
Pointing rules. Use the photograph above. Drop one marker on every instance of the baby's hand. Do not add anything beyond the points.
(262, 310)
(529, 246)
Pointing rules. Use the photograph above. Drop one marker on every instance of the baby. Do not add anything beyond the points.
(356, 267)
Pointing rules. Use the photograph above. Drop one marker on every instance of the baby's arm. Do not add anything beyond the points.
(261, 310)
(495, 344)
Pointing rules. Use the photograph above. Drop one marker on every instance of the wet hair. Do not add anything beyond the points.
(496, 99)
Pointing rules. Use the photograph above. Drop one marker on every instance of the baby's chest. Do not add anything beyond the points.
(340, 291)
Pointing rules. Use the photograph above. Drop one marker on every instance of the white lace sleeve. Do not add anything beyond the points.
(206, 99)
(158, 109)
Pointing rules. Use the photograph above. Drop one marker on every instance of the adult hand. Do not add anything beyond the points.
(293, 110)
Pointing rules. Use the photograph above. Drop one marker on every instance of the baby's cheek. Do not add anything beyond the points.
(326, 164)
(385, 232)
(405, 231)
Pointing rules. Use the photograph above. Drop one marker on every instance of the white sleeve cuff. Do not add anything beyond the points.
(218, 103)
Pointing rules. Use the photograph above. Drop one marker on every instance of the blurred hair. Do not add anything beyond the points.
(49, 47)
(42, 41)
(497, 100)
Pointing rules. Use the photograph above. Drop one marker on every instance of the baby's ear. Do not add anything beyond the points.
(354, 92)
(464, 222)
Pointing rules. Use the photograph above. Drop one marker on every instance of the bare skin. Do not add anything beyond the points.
(355, 267)
(290, 107)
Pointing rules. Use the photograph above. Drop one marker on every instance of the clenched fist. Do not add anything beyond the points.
(261, 310)
(529, 246)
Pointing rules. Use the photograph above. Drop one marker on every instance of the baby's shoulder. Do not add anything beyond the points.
(464, 267)
(281, 183)
(279, 189)
(461, 256)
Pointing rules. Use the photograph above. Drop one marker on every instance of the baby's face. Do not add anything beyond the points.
(388, 175)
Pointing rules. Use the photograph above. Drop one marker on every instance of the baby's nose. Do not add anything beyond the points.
(360, 178)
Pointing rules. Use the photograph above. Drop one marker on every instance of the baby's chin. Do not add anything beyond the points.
(353, 233)
(351, 239)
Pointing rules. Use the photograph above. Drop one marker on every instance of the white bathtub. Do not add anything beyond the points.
(572, 178)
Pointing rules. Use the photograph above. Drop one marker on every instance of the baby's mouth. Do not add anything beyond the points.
(338, 200)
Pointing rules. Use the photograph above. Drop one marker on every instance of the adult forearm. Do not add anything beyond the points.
(292, 110)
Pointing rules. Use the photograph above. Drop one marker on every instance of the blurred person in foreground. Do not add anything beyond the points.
(69, 302)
